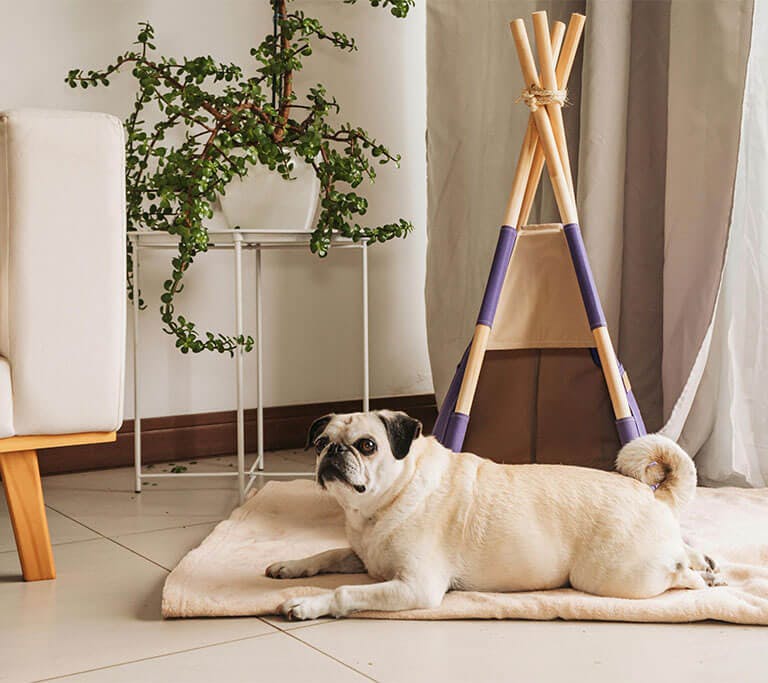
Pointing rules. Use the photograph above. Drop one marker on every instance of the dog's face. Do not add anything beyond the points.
(361, 455)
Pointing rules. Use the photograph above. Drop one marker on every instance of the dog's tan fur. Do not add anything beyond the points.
(435, 521)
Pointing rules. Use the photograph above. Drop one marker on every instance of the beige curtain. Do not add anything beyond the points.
(654, 131)
(621, 189)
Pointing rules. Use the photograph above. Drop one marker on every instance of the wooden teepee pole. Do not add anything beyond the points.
(520, 182)
(528, 151)
(549, 82)
(563, 72)
(565, 203)
(567, 206)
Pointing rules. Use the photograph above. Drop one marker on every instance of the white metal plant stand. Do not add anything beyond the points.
(237, 240)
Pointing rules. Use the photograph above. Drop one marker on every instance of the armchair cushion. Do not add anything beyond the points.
(6, 400)
(62, 271)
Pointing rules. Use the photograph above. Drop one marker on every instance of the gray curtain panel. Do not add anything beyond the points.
(653, 126)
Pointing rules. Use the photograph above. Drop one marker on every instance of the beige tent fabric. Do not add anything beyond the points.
(657, 128)
(540, 305)
(225, 575)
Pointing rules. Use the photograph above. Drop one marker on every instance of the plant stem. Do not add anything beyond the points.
(285, 99)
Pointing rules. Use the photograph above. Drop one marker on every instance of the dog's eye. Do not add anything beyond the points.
(320, 444)
(365, 446)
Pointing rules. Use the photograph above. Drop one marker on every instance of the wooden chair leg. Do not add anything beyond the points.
(24, 493)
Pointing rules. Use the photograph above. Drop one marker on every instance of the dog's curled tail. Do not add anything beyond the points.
(660, 463)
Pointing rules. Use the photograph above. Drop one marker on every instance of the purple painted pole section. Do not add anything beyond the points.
(641, 430)
(451, 432)
(457, 430)
(627, 429)
(630, 427)
(634, 409)
(449, 402)
(584, 275)
(498, 273)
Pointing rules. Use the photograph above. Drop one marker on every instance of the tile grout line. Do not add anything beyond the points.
(136, 552)
(297, 627)
(58, 543)
(111, 540)
(101, 535)
(166, 654)
(165, 528)
(326, 654)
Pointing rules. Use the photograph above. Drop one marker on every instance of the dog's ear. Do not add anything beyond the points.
(402, 429)
(315, 428)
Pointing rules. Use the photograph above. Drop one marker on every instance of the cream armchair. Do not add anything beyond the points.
(62, 301)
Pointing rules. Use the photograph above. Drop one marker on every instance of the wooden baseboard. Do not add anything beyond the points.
(202, 435)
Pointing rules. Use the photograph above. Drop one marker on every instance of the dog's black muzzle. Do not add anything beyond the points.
(333, 467)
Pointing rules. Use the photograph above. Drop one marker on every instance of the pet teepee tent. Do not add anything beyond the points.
(540, 377)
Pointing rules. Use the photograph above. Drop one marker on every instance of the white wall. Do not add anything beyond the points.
(312, 307)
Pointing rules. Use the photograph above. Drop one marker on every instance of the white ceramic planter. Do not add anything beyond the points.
(264, 200)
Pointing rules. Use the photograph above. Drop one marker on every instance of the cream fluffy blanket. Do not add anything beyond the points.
(286, 520)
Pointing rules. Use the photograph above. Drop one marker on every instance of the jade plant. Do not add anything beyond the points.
(212, 122)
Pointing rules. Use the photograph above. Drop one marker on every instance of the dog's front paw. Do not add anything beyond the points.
(289, 569)
(307, 607)
(711, 573)
(713, 578)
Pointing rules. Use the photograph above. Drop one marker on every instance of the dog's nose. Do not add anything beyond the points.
(335, 453)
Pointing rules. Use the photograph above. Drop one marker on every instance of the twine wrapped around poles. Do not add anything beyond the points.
(536, 96)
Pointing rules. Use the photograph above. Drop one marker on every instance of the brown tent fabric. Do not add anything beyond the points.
(543, 405)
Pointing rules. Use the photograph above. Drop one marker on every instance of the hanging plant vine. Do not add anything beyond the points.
(229, 122)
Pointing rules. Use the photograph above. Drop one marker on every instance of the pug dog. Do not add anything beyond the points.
(423, 520)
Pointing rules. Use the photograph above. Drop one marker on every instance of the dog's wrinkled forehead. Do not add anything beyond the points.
(348, 428)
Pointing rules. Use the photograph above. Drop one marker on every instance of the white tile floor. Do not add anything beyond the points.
(100, 620)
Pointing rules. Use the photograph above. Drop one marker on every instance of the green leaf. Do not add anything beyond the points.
(211, 124)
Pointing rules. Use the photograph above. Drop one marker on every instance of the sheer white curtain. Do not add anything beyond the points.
(727, 426)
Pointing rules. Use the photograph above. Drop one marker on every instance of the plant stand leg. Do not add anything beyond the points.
(366, 365)
(136, 374)
(259, 366)
(24, 493)
(238, 239)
